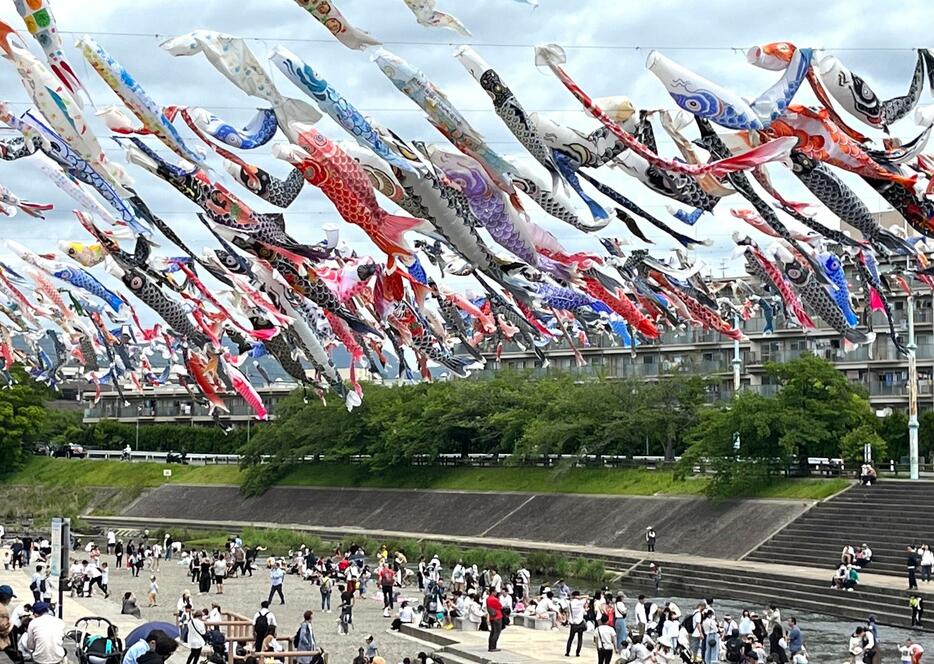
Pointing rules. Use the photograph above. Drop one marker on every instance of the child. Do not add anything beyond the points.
(371, 649)
(105, 578)
(153, 590)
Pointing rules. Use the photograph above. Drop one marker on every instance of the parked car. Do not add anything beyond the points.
(42, 449)
(70, 451)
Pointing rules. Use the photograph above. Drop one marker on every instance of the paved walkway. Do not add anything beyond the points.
(74, 607)
(517, 645)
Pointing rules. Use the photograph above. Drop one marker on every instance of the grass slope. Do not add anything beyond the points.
(65, 473)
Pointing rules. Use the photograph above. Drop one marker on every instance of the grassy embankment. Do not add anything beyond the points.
(47, 487)
(76, 474)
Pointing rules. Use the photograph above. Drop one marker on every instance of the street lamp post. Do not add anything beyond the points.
(912, 392)
(737, 362)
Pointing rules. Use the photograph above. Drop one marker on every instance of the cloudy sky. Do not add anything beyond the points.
(607, 43)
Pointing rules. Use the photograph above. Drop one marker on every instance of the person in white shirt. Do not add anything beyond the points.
(406, 614)
(458, 577)
(547, 608)
(927, 563)
(505, 599)
(729, 625)
(576, 609)
(111, 541)
(474, 610)
(619, 620)
(496, 581)
(45, 636)
(156, 557)
(711, 637)
(38, 580)
(773, 616)
(276, 576)
(196, 631)
(645, 614)
(604, 637)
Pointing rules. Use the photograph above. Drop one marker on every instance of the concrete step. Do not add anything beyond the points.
(830, 601)
(811, 561)
(839, 608)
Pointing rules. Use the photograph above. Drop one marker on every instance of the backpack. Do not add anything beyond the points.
(688, 623)
(734, 649)
(261, 626)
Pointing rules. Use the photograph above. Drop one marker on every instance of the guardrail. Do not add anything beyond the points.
(816, 466)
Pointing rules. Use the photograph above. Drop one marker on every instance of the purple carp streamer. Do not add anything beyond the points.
(460, 260)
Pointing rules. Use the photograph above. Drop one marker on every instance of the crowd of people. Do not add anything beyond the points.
(430, 594)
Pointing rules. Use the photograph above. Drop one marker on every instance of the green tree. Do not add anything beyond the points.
(818, 404)
(853, 443)
(757, 423)
(813, 411)
(894, 430)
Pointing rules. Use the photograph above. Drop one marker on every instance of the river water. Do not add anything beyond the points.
(825, 638)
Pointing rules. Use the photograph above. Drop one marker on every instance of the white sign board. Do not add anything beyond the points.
(167, 472)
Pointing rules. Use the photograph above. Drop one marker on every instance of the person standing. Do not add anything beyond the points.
(219, 569)
(38, 584)
(494, 620)
(387, 582)
(916, 602)
(576, 621)
(195, 636)
(325, 587)
(45, 636)
(262, 621)
(111, 541)
(911, 564)
(604, 637)
(118, 553)
(305, 638)
(619, 620)
(276, 576)
(711, 637)
(795, 637)
(650, 538)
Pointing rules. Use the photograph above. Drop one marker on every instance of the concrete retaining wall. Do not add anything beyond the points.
(719, 529)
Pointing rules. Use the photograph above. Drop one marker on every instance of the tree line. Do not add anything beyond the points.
(814, 412)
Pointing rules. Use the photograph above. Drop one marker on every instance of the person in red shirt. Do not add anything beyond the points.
(387, 581)
(494, 619)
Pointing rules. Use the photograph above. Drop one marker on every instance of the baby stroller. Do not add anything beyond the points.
(215, 638)
(96, 648)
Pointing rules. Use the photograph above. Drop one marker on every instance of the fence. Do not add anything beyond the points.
(815, 466)
(238, 629)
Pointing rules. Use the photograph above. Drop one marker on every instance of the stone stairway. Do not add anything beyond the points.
(760, 588)
(888, 517)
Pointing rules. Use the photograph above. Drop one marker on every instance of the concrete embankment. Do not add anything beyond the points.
(690, 525)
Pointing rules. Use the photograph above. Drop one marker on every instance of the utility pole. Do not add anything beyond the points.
(737, 362)
(912, 392)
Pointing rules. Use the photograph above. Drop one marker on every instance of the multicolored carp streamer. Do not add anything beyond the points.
(136, 99)
(427, 15)
(254, 295)
(235, 61)
(40, 23)
(334, 105)
(706, 99)
(328, 15)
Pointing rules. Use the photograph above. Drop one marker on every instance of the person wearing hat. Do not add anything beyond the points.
(45, 636)
(6, 643)
(650, 538)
